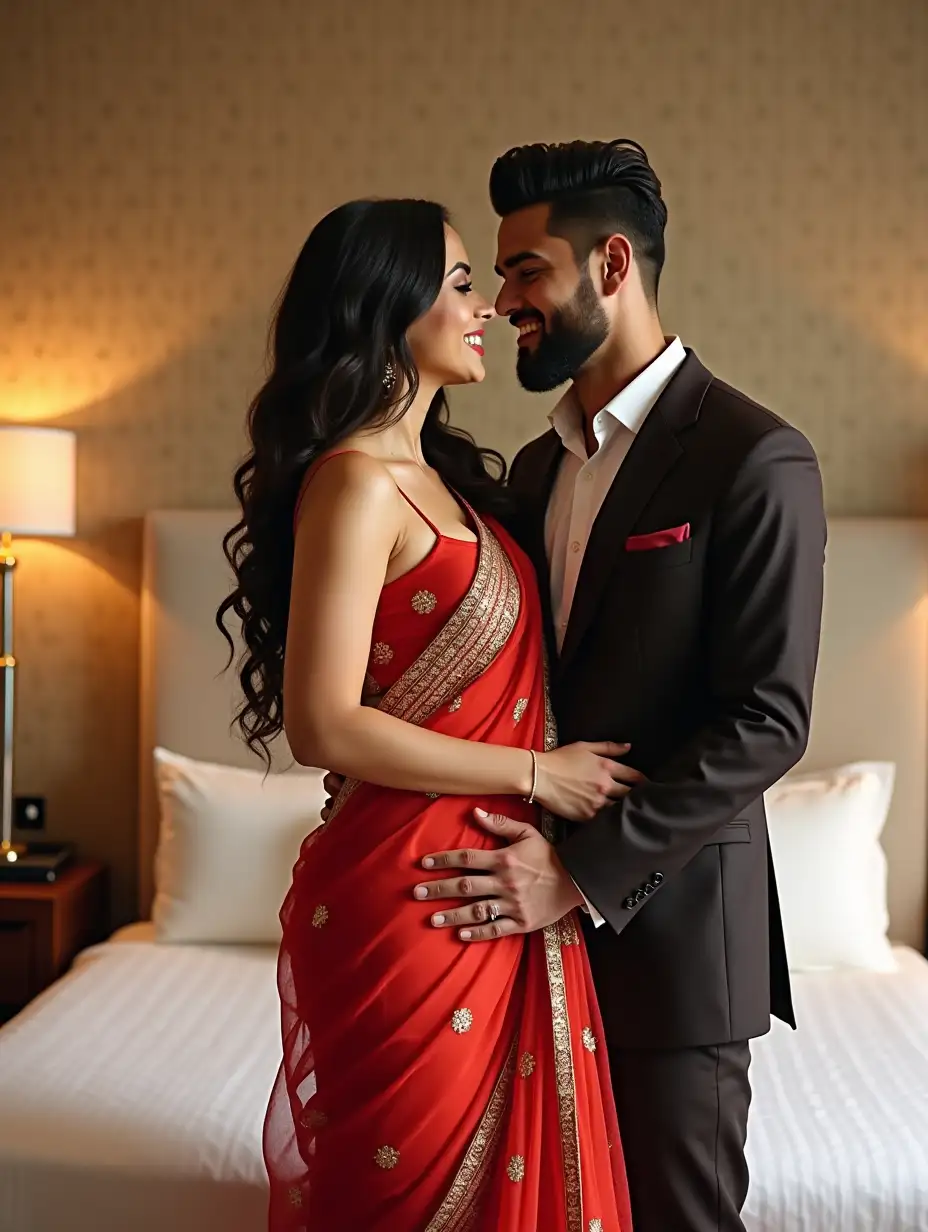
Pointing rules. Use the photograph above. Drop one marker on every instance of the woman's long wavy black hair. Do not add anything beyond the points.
(367, 271)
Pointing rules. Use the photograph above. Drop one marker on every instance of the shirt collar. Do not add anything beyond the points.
(630, 406)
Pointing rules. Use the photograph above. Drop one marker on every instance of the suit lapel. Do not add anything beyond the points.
(537, 491)
(652, 454)
(545, 467)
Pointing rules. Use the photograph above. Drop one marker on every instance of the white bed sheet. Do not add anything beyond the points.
(132, 1093)
(838, 1134)
(132, 1096)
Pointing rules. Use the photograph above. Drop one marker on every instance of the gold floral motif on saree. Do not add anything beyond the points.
(386, 1157)
(515, 1169)
(423, 602)
(461, 1021)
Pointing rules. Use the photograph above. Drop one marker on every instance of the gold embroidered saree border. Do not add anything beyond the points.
(464, 647)
(554, 938)
(564, 1080)
(460, 1206)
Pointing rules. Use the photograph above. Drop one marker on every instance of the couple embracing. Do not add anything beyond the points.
(523, 958)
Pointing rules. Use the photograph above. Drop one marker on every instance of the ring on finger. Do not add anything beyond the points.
(494, 911)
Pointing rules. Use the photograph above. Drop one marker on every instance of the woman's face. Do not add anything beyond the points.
(447, 341)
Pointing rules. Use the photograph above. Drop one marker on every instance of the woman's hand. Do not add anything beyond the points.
(331, 785)
(578, 780)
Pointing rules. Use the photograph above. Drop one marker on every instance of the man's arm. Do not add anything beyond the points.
(764, 594)
(525, 484)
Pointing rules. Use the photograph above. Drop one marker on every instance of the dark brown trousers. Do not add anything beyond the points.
(683, 1116)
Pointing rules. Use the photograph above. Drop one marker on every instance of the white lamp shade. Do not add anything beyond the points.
(36, 480)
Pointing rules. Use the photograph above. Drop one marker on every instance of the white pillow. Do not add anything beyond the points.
(831, 870)
(227, 845)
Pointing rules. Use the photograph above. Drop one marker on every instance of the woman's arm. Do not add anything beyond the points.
(351, 524)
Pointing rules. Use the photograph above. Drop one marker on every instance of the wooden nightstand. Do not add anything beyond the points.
(43, 926)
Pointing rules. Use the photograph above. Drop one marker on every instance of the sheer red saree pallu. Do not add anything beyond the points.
(430, 1085)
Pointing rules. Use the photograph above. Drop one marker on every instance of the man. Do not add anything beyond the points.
(678, 529)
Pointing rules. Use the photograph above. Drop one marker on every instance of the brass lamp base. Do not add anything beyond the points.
(10, 852)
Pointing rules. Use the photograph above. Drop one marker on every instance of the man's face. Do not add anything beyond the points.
(554, 305)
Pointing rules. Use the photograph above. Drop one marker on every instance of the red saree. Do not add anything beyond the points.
(429, 1085)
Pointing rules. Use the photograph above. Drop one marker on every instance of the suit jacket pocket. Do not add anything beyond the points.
(734, 832)
(660, 558)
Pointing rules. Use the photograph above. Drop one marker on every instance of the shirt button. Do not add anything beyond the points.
(588, 476)
(575, 546)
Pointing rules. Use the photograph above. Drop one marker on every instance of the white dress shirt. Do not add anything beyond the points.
(583, 481)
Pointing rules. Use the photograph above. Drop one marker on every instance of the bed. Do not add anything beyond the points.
(132, 1092)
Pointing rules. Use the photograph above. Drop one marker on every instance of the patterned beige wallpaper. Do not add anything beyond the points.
(162, 161)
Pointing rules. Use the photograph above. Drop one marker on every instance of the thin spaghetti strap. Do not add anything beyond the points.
(310, 471)
(412, 504)
(320, 462)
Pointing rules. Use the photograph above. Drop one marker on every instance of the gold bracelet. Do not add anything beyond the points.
(531, 799)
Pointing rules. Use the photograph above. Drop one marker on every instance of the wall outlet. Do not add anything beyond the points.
(29, 812)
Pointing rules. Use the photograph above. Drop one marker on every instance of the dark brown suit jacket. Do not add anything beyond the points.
(702, 655)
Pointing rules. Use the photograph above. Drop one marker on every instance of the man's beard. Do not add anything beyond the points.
(577, 330)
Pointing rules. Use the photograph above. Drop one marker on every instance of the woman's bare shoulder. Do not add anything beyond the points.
(343, 479)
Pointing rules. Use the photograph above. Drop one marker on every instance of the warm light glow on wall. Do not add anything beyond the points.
(33, 400)
(35, 387)
(894, 321)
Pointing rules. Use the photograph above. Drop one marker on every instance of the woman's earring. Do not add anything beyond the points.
(389, 376)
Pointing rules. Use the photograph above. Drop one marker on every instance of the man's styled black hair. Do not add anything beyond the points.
(595, 189)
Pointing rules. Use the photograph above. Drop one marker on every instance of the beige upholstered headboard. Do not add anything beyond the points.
(871, 698)
(187, 699)
(871, 695)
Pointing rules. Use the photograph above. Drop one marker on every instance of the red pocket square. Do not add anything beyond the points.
(658, 539)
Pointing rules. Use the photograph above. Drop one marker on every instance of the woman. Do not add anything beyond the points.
(394, 629)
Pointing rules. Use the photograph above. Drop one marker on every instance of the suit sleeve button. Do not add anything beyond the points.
(629, 903)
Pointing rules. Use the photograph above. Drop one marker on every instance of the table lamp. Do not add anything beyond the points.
(36, 498)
